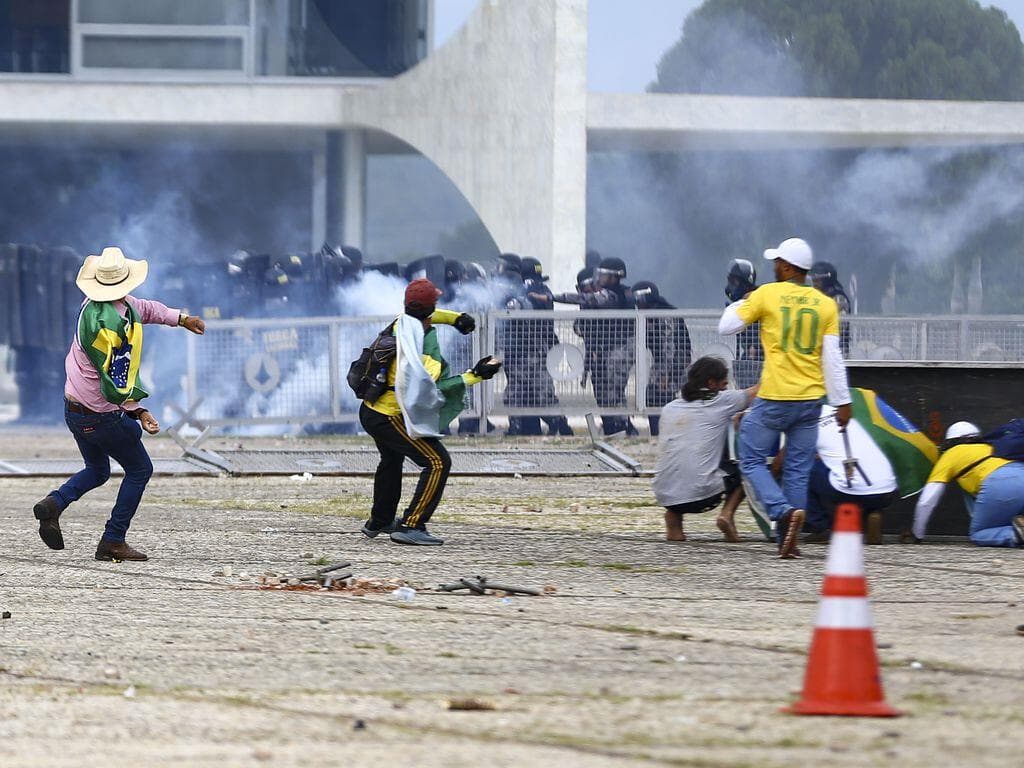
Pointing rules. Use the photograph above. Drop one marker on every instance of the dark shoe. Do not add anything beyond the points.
(415, 536)
(370, 532)
(116, 551)
(789, 526)
(1018, 528)
(47, 511)
(873, 528)
(817, 537)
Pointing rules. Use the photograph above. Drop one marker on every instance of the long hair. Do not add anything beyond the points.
(703, 370)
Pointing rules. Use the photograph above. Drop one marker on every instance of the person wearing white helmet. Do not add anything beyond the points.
(993, 489)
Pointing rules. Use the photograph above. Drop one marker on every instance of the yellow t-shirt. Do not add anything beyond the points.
(953, 461)
(794, 319)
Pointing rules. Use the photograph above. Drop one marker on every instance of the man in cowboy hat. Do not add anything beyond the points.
(102, 394)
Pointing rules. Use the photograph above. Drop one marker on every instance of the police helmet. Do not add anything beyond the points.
(741, 280)
(532, 269)
(823, 273)
(510, 263)
(354, 255)
(584, 279)
(612, 266)
(454, 272)
(475, 273)
(645, 293)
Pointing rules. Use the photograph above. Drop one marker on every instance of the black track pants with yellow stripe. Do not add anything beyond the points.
(394, 444)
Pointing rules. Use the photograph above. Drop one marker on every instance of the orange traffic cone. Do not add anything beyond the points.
(842, 668)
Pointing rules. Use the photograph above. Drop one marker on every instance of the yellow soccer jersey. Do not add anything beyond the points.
(960, 457)
(794, 319)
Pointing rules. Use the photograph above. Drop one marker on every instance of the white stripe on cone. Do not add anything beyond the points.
(845, 555)
(844, 613)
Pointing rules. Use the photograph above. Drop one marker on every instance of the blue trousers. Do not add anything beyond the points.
(1000, 499)
(100, 438)
(759, 433)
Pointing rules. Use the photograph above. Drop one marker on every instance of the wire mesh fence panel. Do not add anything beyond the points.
(557, 363)
(883, 338)
(999, 340)
(268, 371)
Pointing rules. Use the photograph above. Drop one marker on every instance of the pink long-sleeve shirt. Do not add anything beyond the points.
(83, 380)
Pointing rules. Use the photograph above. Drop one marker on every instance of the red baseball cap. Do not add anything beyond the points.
(421, 295)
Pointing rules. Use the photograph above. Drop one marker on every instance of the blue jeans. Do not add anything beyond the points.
(759, 433)
(102, 437)
(1000, 499)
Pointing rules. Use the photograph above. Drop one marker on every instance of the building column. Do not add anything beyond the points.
(345, 195)
(318, 201)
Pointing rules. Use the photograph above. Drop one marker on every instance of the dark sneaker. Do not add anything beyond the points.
(115, 551)
(1018, 528)
(370, 532)
(789, 526)
(47, 511)
(415, 536)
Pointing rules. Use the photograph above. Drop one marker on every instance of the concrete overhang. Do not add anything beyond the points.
(672, 123)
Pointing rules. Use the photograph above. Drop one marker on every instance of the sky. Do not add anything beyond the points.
(627, 37)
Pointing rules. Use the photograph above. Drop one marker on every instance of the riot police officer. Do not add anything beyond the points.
(741, 280)
(668, 342)
(538, 337)
(825, 278)
(608, 343)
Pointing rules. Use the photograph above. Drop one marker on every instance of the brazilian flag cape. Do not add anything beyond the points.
(114, 346)
(908, 449)
(452, 388)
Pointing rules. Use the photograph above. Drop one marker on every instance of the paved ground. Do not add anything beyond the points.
(647, 653)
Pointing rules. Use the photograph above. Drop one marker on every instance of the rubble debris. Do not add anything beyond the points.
(5, 615)
(481, 586)
(470, 705)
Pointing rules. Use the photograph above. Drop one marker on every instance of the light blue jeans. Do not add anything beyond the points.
(1000, 499)
(759, 439)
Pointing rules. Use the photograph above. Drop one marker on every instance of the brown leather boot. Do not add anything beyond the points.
(47, 511)
(118, 550)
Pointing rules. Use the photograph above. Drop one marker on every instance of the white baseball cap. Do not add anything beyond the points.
(794, 250)
(962, 429)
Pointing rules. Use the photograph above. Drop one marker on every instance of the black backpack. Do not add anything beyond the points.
(368, 373)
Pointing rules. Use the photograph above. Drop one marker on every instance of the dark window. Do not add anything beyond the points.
(34, 35)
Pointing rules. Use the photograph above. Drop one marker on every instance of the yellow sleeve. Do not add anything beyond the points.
(433, 367)
(444, 316)
(750, 309)
(943, 470)
(831, 326)
(469, 379)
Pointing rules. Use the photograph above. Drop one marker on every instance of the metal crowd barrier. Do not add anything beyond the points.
(291, 371)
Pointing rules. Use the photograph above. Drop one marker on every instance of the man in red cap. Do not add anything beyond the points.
(407, 420)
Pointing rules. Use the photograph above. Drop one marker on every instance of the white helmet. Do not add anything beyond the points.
(962, 429)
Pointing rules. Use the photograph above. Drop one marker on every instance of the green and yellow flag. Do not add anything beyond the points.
(908, 449)
(114, 346)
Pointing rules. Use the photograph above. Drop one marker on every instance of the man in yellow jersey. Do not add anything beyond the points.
(993, 489)
(802, 363)
(407, 420)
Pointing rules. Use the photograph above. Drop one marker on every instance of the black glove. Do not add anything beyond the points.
(486, 367)
(464, 324)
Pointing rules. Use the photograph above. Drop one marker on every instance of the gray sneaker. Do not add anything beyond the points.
(415, 536)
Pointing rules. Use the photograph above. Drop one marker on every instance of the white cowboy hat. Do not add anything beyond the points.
(110, 276)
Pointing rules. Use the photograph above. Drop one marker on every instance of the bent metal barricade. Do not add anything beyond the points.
(842, 668)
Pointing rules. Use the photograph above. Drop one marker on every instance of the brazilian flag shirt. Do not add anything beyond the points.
(794, 320)
(113, 344)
